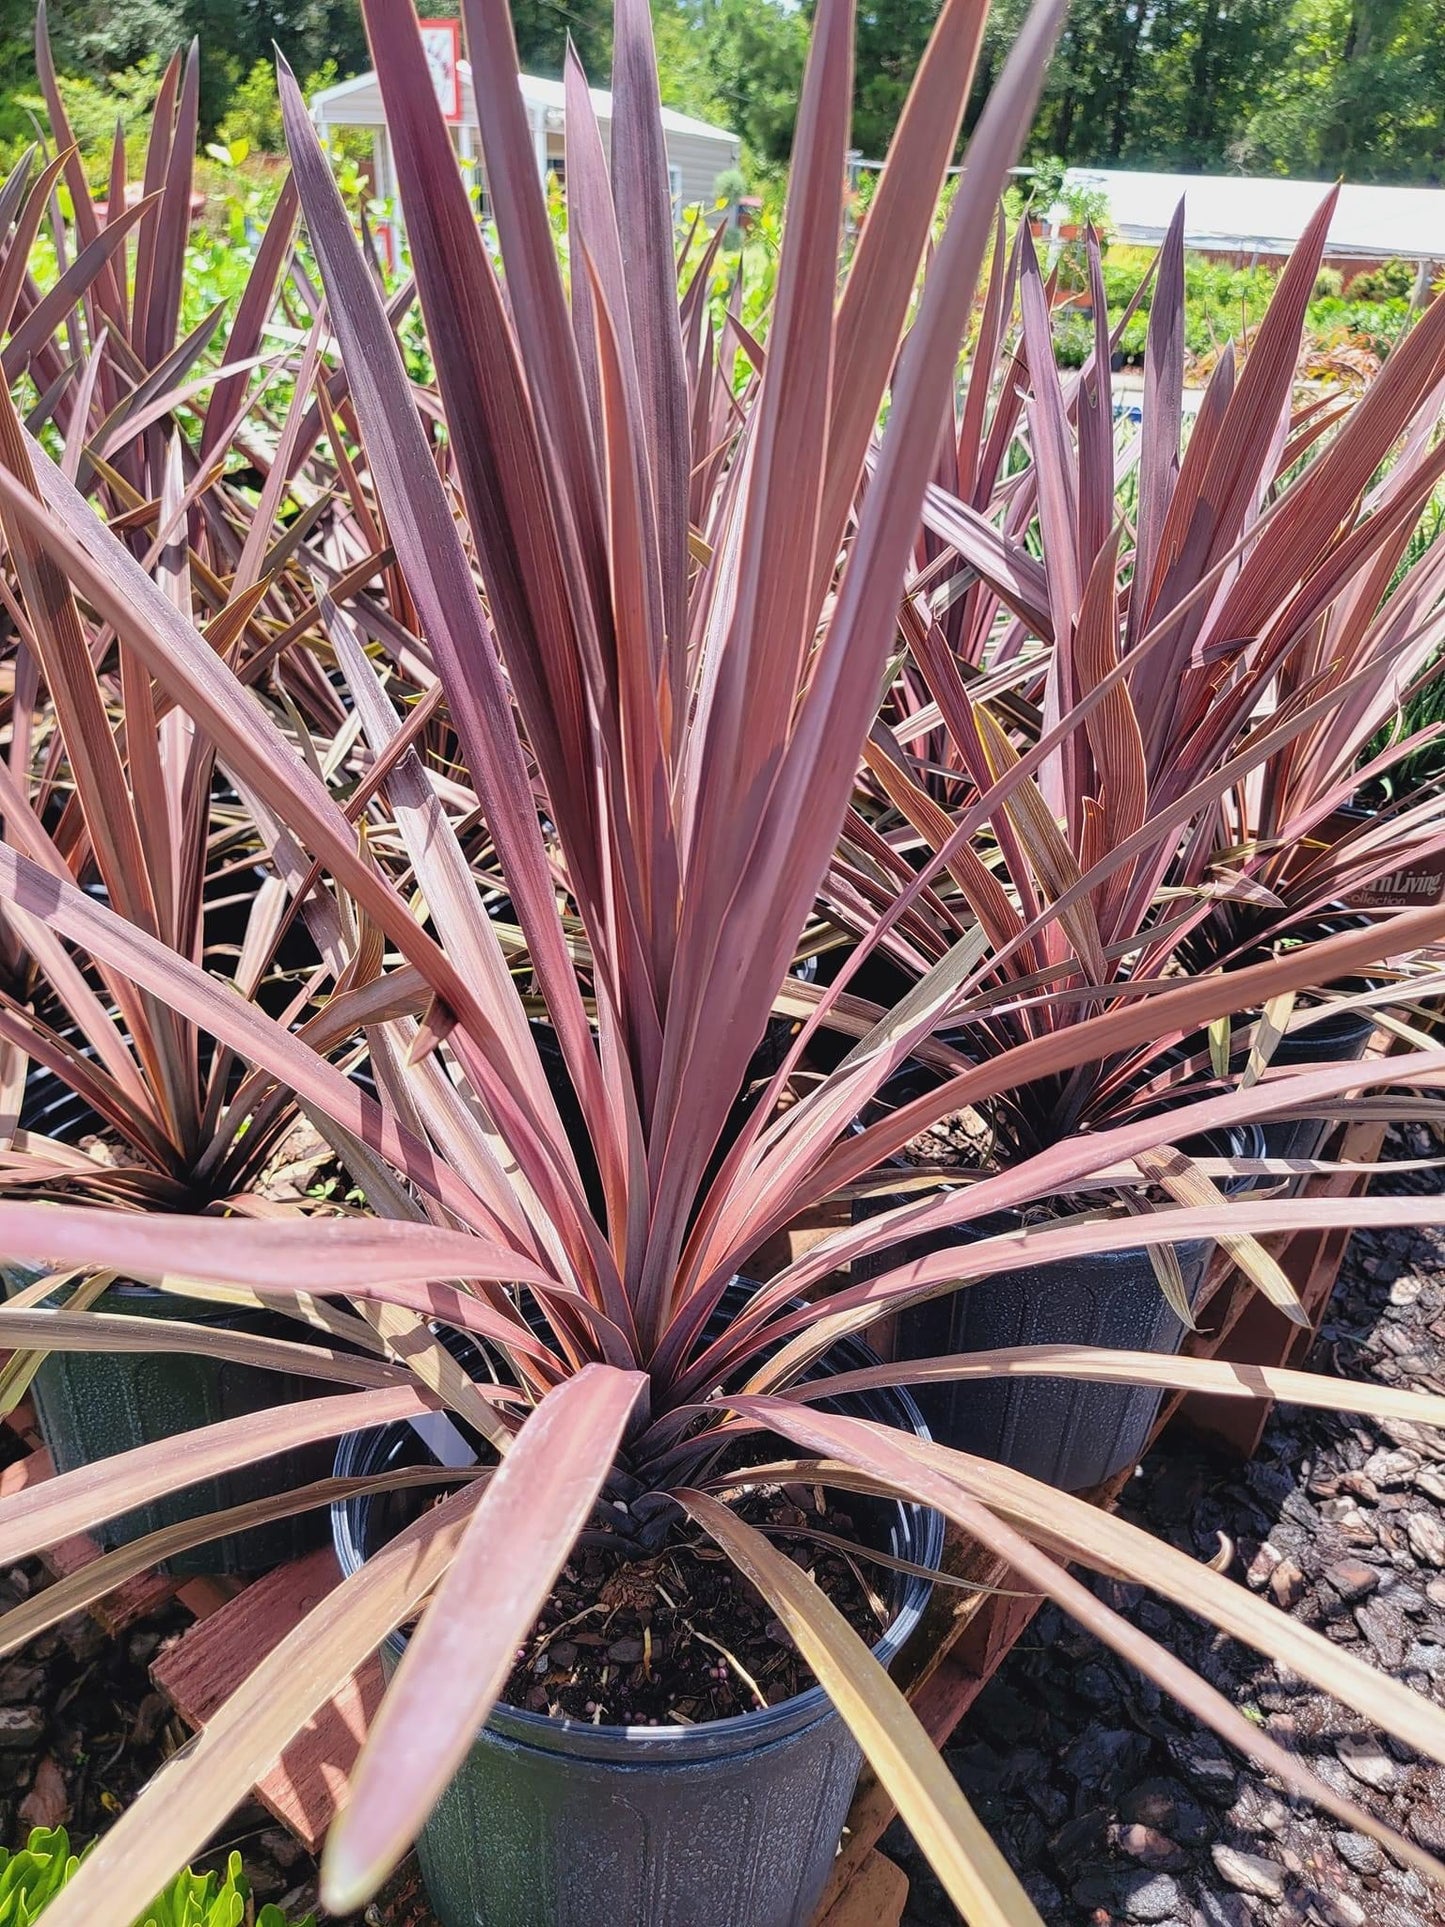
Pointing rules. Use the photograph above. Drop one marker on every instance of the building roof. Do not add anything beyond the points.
(1263, 215)
(358, 103)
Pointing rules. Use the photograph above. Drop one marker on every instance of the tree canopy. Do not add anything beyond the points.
(1303, 87)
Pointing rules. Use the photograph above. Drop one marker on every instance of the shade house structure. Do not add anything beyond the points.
(696, 152)
(1262, 217)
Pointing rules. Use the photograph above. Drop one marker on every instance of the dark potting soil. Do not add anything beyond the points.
(302, 1165)
(963, 1139)
(683, 1637)
(963, 1142)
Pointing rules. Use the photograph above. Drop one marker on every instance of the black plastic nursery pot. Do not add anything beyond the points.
(728, 1823)
(1341, 1038)
(91, 1405)
(1067, 1432)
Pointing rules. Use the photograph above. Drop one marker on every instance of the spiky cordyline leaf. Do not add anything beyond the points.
(964, 1489)
(460, 1655)
(187, 1800)
(75, 1501)
(100, 1577)
(978, 1879)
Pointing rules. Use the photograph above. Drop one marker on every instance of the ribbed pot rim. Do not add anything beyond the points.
(920, 1539)
(1339, 1027)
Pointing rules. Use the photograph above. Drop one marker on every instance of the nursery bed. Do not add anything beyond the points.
(965, 1638)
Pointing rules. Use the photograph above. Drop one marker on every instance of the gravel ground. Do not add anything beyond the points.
(1113, 1805)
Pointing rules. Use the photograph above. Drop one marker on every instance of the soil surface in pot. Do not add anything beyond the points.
(965, 1142)
(682, 1637)
(303, 1165)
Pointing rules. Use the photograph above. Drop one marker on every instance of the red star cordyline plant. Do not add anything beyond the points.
(686, 676)
(103, 782)
(1235, 613)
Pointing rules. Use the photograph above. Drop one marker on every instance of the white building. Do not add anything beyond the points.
(1262, 217)
(696, 153)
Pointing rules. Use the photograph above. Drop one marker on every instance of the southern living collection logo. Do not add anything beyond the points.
(1402, 887)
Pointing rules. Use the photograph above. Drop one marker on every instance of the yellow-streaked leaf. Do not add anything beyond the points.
(1055, 865)
(103, 1331)
(81, 1588)
(178, 1811)
(1073, 1529)
(18, 1372)
(1272, 1025)
(1220, 1377)
(931, 994)
(937, 1476)
(411, 1339)
(1220, 1030)
(1164, 1260)
(1177, 1174)
(979, 1880)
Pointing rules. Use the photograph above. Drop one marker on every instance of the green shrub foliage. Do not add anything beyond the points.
(31, 1877)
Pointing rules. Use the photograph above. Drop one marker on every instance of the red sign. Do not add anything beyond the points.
(442, 42)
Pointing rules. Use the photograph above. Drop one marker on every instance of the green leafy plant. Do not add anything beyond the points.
(1391, 281)
(254, 112)
(32, 1875)
(93, 107)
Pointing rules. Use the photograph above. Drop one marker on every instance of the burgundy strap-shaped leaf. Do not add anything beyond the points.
(882, 274)
(381, 1260)
(253, 311)
(189, 990)
(180, 1809)
(642, 192)
(1163, 405)
(58, 1508)
(424, 533)
(797, 827)
(458, 1659)
(48, 313)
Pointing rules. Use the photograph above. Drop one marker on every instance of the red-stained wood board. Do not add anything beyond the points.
(210, 1659)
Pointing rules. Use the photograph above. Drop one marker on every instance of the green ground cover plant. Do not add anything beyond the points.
(31, 1876)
